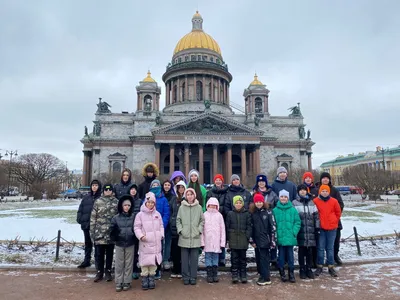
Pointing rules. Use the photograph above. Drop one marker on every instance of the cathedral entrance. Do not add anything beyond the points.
(207, 171)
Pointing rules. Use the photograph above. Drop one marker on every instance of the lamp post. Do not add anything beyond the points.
(379, 149)
(11, 154)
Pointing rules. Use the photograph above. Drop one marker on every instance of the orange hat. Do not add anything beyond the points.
(324, 187)
(308, 174)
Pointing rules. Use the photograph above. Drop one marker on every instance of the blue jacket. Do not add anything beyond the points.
(162, 207)
(287, 185)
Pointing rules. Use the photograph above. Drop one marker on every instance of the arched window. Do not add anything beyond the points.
(199, 91)
(183, 91)
(174, 94)
(258, 105)
(117, 167)
(148, 102)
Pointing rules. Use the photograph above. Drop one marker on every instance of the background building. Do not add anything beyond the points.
(387, 159)
(198, 127)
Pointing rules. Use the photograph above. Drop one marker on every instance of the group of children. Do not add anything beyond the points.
(192, 219)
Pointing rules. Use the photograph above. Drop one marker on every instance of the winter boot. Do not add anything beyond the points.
(84, 264)
(152, 283)
(292, 279)
(309, 273)
(107, 275)
(338, 260)
(210, 274)
(215, 273)
(318, 271)
(332, 271)
(235, 276)
(243, 275)
(126, 286)
(303, 274)
(145, 283)
(98, 277)
(282, 274)
(118, 288)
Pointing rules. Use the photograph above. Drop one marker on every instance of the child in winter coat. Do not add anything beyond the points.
(239, 231)
(306, 239)
(288, 226)
(133, 192)
(150, 232)
(263, 236)
(124, 237)
(174, 205)
(329, 213)
(104, 209)
(189, 223)
(213, 238)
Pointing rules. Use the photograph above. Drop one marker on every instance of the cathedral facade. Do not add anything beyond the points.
(199, 127)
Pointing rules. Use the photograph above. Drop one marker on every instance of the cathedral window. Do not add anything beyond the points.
(258, 105)
(199, 57)
(117, 167)
(209, 91)
(205, 57)
(199, 91)
(147, 102)
(186, 58)
(193, 58)
(175, 94)
(179, 60)
(183, 91)
(212, 59)
(218, 61)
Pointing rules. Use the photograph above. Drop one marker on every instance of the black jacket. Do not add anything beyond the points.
(144, 187)
(238, 229)
(122, 225)
(173, 209)
(86, 206)
(264, 228)
(310, 224)
(122, 188)
(220, 194)
(234, 191)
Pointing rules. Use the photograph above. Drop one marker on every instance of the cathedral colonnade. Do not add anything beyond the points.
(209, 159)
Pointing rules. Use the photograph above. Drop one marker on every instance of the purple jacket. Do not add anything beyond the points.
(149, 223)
(213, 237)
(173, 176)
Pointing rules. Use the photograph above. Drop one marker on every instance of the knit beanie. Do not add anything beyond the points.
(193, 171)
(325, 174)
(281, 170)
(155, 181)
(150, 197)
(258, 198)
(235, 176)
(324, 187)
(308, 174)
(237, 198)
(219, 176)
(284, 193)
(301, 187)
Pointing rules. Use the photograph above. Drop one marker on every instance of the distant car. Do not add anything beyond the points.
(72, 194)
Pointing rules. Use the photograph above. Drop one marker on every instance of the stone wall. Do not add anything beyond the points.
(100, 162)
(142, 154)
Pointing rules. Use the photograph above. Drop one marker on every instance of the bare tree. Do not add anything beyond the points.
(373, 182)
(37, 168)
(3, 176)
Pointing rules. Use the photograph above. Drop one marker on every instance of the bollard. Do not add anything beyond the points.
(357, 241)
(58, 244)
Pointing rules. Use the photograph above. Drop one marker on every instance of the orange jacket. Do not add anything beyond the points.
(329, 213)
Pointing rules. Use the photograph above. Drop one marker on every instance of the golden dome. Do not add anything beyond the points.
(197, 38)
(256, 81)
(148, 78)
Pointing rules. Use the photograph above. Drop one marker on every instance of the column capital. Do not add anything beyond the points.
(243, 146)
(171, 145)
(229, 146)
(257, 146)
(187, 146)
(200, 145)
(157, 145)
(215, 146)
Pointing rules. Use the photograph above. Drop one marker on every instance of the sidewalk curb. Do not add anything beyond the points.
(201, 267)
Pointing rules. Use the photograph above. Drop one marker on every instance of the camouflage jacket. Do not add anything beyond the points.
(104, 209)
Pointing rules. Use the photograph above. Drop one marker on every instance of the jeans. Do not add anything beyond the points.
(263, 258)
(176, 256)
(325, 243)
(108, 251)
(286, 254)
(211, 259)
(305, 256)
(274, 254)
(167, 245)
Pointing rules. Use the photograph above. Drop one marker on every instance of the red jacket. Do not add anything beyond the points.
(329, 213)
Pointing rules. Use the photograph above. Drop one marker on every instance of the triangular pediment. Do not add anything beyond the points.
(208, 123)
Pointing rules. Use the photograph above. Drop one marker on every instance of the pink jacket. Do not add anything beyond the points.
(213, 237)
(149, 223)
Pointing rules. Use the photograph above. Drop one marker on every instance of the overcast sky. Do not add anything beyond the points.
(340, 59)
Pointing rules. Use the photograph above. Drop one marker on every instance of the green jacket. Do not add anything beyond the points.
(189, 224)
(104, 209)
(287, 224)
